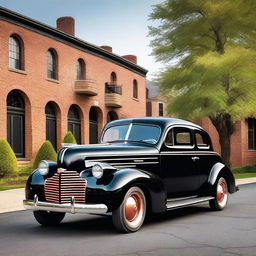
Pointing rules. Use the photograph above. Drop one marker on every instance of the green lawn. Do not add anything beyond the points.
(13, 182)
(244, 175)
(6, 187)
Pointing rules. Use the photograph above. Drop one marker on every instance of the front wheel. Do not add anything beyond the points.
(129, 216)
(221, 195)
(47, 218)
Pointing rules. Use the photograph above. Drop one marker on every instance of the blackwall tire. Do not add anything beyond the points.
(221, 195)
(47, 218)
(130, 215)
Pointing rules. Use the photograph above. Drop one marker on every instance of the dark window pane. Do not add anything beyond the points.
(52, 68)
(135, 89)
(149, 108)
(251, 133)
(182, 136)
(161, 109)
(113, 78)
(51, 127)
(80, 70)
(15, 53)
(201, 140)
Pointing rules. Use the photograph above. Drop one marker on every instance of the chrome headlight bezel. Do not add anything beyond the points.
(43, 168)
(97, 171)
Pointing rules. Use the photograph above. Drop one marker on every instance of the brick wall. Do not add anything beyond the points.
(38, 90)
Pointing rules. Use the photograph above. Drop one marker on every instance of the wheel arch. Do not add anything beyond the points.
(219, 169)
(150, 184)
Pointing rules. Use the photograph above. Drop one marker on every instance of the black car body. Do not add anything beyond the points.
(141, 165)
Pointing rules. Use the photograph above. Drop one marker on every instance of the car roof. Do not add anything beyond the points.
(163, 122)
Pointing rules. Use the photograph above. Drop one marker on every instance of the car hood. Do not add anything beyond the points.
(72, 158)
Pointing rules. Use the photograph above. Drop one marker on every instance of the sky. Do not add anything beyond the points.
(122, 24)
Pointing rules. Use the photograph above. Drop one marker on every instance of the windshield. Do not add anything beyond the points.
(132, 132)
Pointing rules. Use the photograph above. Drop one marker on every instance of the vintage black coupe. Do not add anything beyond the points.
(141, 165)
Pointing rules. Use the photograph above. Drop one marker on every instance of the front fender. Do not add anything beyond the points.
(112, 188)
(221, 169)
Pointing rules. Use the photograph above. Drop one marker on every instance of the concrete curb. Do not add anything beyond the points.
(12, 200)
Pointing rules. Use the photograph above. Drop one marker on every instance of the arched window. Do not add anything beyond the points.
(112, 115)
(74, 123)
(15, 53)
(16, 123)
(113, 78)
(135, 89)
(80, 69)
(93, 128)
(52, 64)
(51, 124)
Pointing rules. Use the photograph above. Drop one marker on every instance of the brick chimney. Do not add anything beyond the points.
(66, 24)
(131, 58)
(106, 47)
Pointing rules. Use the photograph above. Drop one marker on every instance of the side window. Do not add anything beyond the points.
(182, 137)
(202, 140)
(169, 138)
(177, 137)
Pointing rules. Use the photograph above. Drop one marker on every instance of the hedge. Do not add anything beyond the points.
(69, 138)
(8, 160)
(46, 152)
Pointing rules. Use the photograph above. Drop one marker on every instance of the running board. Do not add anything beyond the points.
(174, 204)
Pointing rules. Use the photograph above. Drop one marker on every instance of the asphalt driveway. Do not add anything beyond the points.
(190, 231)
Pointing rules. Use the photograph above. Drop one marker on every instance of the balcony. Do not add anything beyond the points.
(113, 95)
(87, 87)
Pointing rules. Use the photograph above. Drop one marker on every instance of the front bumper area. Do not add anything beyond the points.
(71, 207)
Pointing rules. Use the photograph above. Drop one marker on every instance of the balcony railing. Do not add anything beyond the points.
(112, 88)
(113, 96)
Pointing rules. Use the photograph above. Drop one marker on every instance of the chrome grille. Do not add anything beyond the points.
(63, 185)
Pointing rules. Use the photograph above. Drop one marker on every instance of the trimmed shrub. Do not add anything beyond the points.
(69, 138)
(46, 152)
(8, 160)
(25, 170)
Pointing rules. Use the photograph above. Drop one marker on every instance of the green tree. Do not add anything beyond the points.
(8, 160)
(69, 138)
(209, 49)
(46, 152)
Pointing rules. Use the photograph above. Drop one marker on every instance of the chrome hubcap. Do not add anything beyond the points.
(133, 209)
(222, 193)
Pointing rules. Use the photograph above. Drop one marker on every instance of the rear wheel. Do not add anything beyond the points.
(129, 216)
(221, 195)
(47, 218)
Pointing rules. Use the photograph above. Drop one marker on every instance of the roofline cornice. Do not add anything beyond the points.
(46, 30)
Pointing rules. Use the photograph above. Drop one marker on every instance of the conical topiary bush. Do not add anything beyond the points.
(8, 160)
(46, 152)
(69, 138)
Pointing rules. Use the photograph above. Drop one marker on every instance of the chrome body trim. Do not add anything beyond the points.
(186, 202)
(123, 159)
(71, 207)
(62, 155)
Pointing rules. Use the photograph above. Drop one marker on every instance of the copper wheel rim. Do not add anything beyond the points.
(222, 193)
(133, 209)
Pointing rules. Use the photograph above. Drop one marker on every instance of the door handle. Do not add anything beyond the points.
(194, 158)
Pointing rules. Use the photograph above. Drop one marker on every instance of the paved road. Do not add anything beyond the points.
(189, 231)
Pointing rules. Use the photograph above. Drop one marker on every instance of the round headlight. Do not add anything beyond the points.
(43, 168)
(97, 171)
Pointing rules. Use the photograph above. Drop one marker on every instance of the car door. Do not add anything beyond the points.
(206, 156)
(178, 163)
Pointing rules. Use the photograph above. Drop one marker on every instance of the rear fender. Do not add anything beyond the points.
(221, 169)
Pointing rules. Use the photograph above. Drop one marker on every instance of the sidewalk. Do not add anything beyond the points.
(11, 200)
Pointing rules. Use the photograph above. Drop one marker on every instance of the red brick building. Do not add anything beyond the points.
(243, 141)
(52, 82)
